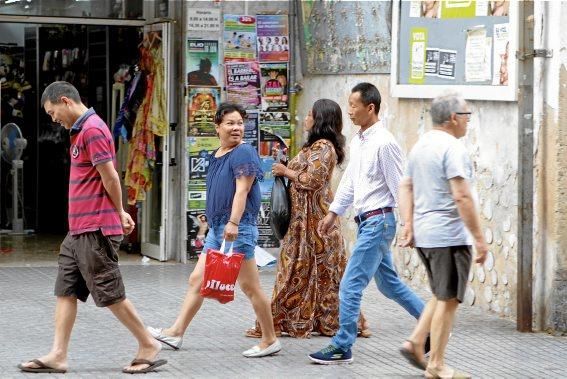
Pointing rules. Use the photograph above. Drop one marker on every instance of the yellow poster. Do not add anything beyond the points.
(418, 44)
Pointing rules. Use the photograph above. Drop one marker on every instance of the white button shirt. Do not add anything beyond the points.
(372, 177)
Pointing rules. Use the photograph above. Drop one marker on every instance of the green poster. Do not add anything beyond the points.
(458, 9)
(418, 44)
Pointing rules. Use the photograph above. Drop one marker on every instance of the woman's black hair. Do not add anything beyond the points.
(328, 124)
(226, 108)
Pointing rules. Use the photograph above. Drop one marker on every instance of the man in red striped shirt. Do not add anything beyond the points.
(88, 259)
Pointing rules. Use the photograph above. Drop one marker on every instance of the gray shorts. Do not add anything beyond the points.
(448, 270)
(88, 264)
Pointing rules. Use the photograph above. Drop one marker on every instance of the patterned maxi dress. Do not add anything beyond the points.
(310, 268)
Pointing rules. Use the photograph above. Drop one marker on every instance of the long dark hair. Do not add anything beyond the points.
(328, 124)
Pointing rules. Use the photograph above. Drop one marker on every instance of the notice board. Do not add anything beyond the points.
(345, 37)
(463, 45)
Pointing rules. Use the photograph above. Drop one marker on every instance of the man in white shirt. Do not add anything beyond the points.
(437, 206)
(370, 184)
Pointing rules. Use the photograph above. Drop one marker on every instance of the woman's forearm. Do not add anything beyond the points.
(238, 206)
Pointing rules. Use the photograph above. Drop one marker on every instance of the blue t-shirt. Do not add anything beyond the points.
(221, 184)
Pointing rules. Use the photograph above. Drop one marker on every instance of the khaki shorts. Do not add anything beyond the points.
(88, 264)
(448, 270)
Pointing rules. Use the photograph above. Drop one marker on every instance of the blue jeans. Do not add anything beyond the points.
(371, 257)
(245, 241)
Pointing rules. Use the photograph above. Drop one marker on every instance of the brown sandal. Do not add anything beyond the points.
(411, 356)
(363, 328)
(257, 333)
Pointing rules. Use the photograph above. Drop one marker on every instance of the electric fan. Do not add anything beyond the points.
(12, 147)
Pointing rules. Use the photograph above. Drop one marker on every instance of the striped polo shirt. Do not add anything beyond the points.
(90, 207)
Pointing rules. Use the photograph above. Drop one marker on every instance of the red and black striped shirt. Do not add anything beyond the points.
(90, 206)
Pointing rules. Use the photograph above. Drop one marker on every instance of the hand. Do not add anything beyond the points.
(481, 251)
(278, 169)
(275, 150)
(406, 236)
(326, 223)
(230, 231)
(127, 223)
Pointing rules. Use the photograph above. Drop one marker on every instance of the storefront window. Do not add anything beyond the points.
(125, 9)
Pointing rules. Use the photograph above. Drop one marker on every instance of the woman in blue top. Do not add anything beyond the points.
(233, 203)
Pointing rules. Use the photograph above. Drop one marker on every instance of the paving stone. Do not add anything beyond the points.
(485, 345)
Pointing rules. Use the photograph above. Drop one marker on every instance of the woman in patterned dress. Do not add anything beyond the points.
(310, 267)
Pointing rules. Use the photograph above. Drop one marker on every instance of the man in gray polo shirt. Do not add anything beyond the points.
(437, 206)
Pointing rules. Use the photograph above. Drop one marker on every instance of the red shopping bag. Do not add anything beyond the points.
(221, 272)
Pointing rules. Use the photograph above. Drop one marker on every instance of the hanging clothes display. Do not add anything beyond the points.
(151, 120)
(128, 110)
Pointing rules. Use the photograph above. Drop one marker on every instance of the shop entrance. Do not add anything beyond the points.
(93, 58)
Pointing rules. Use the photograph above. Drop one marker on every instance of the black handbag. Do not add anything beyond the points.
(280, 208)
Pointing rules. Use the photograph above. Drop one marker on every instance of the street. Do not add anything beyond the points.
(486, 346)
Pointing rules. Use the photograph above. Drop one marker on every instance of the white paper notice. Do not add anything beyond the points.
(488, 59)
(415, 9)
(203, 19)
(501, 51)
(447, 63)
(475, 52)
(431, 61)
(482, 8)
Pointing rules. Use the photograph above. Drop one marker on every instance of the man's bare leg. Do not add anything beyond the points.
(421, 330)
(441, 325)
(65, 315)
(148, 348)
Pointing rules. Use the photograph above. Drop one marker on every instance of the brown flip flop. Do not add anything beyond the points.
(412, 358)
(42, 368)
(152, 366)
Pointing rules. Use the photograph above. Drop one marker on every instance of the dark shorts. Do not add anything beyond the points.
(88, 264)
(448, 270)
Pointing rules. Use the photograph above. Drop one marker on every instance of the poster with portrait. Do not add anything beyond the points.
(239, 38)
(274, 86)
(500, 56)
(198, 152)
(201, 108)
(196, 219)
(243, 84)
(202, 62)
(273, 38)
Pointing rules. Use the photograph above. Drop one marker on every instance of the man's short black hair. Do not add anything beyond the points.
(369, 94)
(56, 90)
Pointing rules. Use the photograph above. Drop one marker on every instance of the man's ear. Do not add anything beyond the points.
(66, 100)
(372, 107)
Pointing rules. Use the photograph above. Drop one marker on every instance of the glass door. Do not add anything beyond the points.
(154, 208)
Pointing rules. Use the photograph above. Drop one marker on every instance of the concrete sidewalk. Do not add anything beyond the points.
(486, 346)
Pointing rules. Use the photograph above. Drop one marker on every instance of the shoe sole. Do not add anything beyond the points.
(336, 362)
(263, 355)
(168, 344)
